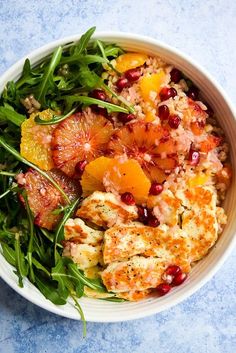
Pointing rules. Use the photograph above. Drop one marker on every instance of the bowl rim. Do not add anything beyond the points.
(109, 36)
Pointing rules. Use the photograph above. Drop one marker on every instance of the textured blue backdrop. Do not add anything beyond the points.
(204, 29)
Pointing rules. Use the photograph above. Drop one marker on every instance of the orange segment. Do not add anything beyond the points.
(36, 140)
(92, 178)
(113, 175)
(130, 61)
(127, 177)
(150, 85)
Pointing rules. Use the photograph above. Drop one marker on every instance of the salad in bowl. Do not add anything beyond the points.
(113, 173)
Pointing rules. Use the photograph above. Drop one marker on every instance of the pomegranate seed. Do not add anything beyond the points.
(98, 94)
(99, 110)
(163, 289)
(175, 75)
(179, 278)
(173, 270)
(156, 189)
(174, 121)
(153, 221)
(125, 118)
(193, 93)
(133, 75)
(128, 198)
(122, 83)
(143, 214)
(167, 93)
(80, 166)
(193, 157)
(163, 112)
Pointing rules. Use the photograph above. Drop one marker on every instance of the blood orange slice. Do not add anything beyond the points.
(82, 136)
(44, 198)
(149, 144)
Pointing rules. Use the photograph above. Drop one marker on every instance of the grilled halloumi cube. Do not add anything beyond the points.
(105, 210)
(166, 207)
(137, 274)
(78, 232)
(199, 220)
(83, 254)
(124, 241)
(134, 296)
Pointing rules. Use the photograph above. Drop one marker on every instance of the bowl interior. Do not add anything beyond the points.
(102, 311)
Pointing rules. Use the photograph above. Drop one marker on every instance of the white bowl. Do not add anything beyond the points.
(102, 311)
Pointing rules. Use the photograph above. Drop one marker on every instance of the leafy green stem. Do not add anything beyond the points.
(60, 228)
(17, 155)
(78, 307)
(56, 118)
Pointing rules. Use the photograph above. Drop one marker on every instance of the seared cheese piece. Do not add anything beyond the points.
(134, 296)
(105, 210)
(199, 220)
(124, 241)
(75, 230)
(83, 254)
(166, 207)
(137, 274)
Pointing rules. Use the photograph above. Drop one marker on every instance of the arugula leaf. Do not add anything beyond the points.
(49, 290)
(55, 119)
(47, 79)
(95, 284)
(89, 101)
(78, 48)
(59, 235)
(31, 238)
(11, 115)
(39, 266)
(59, 275)
(9, 254)
(81, 314)
(113, 299)
(21, 266)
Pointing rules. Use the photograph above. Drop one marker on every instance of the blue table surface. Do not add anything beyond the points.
(204, 29)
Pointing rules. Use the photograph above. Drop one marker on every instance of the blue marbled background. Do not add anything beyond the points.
(204, 29)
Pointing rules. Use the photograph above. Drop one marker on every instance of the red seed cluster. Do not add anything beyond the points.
(174, 121)
(175, 75)
(163, 112)
(129, 77)
(193, 93)
(128, 198)
(167, 92)
(193, 157)
(125, 118)
(133, 75)
(173, 276)
(156, 189)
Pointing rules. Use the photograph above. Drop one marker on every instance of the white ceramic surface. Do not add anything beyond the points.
(101, 311)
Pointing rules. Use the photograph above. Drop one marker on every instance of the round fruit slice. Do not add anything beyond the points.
(127, 176)
(92, 178)
(149, 144)
(82, 136)
(36, 140)
(44, 198)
